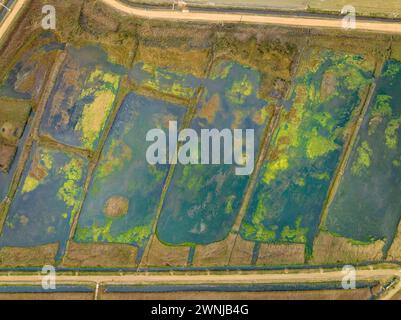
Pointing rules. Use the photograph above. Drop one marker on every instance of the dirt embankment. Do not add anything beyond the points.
(385, 27)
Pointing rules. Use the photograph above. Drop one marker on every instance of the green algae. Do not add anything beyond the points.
(203, 201)
(47, 198)
(165, 81)
(114, 159)
(294, 180)
(45, 165)
(70, 192)
(30, 184)
(95, 113)
(240, 90)
(82, 98)
(123, 171)
(391, 133)
(368, 195)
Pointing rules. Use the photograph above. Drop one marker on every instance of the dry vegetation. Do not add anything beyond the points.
(28, 257)
(215, 254)
(270, 51)
(178, 48)
(331, 249)
(394, 253)
(100, 255)
(242, 252)
(281, 254)
(388, 8)
(161, 255)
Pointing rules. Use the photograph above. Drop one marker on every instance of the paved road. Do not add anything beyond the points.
(376, 26)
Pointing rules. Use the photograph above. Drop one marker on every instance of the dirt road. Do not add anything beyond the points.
(306, 276)
(386, 27)
(301, 277)
(11, 17)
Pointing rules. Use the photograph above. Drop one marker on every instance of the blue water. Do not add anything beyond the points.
(39, 289)
(40, 217)
(196, 207)
(133, 178)
(236, 288)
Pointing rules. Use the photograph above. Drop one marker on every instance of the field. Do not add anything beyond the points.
(76, 105)
(390, 8)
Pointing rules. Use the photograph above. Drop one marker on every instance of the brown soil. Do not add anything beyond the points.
(28, 257)
(330, 249)
(328, 85)
(116, 207)
(397, 296)
(261, 50)
(394, 253)
(161, 255)
(94, 18)
(179, 48)
(277, 254)
(13, 118)
(70, 79)
(210, 108)
(100, 255)
(242, 252)
(178, 59)
(215, 254)
(37, 171)
(7, 154)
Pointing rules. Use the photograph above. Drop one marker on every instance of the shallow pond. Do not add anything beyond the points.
(203, 200)
(367, 205)
(82, 98)
(294, 180)
(47, 198)
(237, 288)
(124, 194)
(27, 76)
